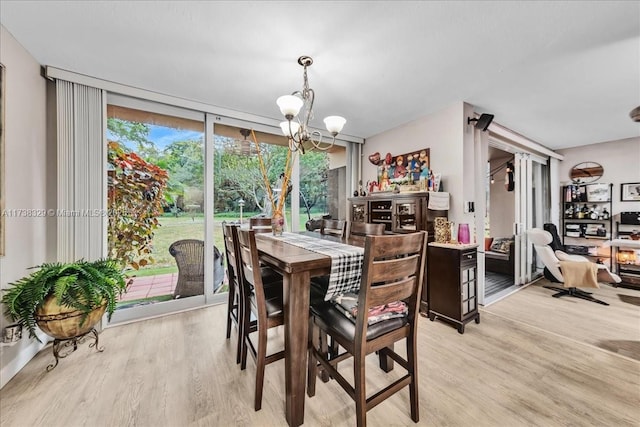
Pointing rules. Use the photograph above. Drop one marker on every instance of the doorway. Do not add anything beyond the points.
(498, 226)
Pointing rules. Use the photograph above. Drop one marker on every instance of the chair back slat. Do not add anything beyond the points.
(333, 227)
(390, 270)
(391, 292)
(365, 229)
(260, 225)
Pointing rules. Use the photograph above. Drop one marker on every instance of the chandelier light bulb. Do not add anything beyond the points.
(289, 128)
(334, 124)
(290, 105)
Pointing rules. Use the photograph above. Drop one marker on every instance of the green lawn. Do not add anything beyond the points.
(191, 227)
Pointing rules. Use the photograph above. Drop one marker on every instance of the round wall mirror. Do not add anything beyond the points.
(586, 172)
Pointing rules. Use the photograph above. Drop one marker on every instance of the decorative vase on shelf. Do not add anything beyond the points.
(277, 223)
(463, 234)
(441, 226)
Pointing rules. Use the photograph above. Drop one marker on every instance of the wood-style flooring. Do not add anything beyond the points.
(533, 360)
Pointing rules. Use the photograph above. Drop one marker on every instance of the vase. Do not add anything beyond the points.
(441, 226)
(463, 234)
(277, 224)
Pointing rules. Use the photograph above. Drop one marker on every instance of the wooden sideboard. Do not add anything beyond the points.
(399, 212)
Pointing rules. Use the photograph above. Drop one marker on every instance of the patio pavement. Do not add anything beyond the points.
(151, 286)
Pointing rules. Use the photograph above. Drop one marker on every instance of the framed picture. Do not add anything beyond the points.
(630, 192)
(405, 167)
(598, 193)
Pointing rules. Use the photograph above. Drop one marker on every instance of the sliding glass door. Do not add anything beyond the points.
(156, 198)
(532, 202)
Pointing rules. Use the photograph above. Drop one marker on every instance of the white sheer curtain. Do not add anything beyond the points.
(81, 147)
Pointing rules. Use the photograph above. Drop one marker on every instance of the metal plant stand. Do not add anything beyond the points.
(64, 347)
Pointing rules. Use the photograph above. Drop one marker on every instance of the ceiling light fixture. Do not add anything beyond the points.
(243, 146)
(298, 131)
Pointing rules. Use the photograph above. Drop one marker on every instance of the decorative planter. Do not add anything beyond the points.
(62, 323)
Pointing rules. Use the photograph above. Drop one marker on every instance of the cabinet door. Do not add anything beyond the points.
(380, 212)
(406, 215)
(468, 288)
(359, 212)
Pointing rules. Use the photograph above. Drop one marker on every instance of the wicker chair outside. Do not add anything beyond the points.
(189, 255)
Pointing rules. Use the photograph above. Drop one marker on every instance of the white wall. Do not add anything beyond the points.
(25, 181)
(442, 133)
(620, 160)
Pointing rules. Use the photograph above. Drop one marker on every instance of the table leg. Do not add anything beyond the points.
(296, 327)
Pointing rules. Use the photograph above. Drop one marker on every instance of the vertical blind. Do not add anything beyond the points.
(81, 147)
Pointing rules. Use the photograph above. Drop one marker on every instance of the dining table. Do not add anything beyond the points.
(297, 266)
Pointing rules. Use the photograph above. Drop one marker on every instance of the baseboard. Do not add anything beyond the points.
(22, 357)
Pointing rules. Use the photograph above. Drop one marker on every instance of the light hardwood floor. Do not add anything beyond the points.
(508, 371)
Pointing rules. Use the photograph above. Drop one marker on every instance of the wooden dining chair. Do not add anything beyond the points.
(234, 308)
(333, 227)
(363, 229)
(393, 272)
(320, 284)
(264, 303)
(260, 224)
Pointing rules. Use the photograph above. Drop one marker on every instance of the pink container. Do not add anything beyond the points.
(463, 234)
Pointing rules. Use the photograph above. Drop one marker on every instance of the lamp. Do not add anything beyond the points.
(635, 114)
(298, 131)
(626, 257)
(482, 122)
(244, 146)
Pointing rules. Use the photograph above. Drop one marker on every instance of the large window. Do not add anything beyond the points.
(156, 200)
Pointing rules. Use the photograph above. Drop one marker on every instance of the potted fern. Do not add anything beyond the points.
(65, 300)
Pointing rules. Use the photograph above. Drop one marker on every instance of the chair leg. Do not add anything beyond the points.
(230, 305)
(588, 297)
(386, 363)
(574, 292)
(260, 364)
(312, 363)
(244, 334)
(360, 396)
(413, 385)
(323, 348)
(240, 322)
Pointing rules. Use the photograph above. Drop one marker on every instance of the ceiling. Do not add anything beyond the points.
(564, 73)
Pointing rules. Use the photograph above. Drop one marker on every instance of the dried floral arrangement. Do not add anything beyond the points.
(277, 207)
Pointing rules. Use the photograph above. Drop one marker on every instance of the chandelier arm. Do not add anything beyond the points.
(309, 113)
(293, 142)
(318, 147)
(316, 144)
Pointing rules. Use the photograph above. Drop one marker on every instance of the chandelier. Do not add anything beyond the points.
(298, 130)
